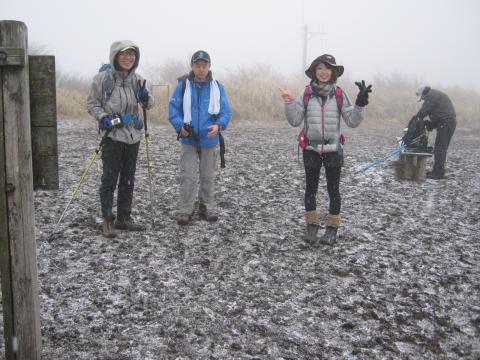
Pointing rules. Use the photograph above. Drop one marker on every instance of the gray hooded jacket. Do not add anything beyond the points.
(322, 125)
(123, 99)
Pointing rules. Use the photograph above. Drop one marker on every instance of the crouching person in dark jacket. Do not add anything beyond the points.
(439, 108)
(198, 110)
(113, 101)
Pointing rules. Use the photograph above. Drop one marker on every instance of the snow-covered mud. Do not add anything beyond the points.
(403, 281)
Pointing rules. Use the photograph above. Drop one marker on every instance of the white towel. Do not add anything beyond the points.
(213, 105)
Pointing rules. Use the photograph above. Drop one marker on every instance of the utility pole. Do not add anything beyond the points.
(307, 35)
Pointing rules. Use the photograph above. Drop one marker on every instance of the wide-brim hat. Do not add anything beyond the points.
(327, 59)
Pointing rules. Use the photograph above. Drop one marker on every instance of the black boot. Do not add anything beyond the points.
(434, 175)
(330, 236)
(311, 234)
(107, 228)
(128, 224)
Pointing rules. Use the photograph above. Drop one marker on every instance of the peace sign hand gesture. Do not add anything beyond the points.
(286, 95)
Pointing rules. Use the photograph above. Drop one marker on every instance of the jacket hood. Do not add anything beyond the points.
(118, 46)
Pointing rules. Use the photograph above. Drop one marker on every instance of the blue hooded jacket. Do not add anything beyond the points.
(201, 119)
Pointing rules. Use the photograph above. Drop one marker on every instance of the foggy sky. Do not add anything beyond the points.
(432, 41)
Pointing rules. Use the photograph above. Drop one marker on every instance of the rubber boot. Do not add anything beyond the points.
(107, 229)
(311, 218)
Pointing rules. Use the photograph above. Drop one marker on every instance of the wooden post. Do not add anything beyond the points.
(17, 240)
(43, 114)
(411, 166)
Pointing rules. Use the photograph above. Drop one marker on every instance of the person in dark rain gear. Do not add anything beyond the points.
(113, 101)
(439, 109)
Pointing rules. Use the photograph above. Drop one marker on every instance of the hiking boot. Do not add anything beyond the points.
(183, 219)
(207, 214)
(434, 175)
(128, 225)
(330, 236)
(311, 234)
(211, 216)
(107, 229)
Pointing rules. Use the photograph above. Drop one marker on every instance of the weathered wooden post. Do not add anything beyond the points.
(43, 115)
(18, 263)
(412, 165)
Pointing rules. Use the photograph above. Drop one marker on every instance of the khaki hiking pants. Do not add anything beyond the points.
(205, 163)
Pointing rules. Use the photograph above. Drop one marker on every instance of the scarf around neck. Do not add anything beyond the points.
(214, 102)
(321, 89)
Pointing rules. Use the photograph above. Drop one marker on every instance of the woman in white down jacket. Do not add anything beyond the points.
(320, 108)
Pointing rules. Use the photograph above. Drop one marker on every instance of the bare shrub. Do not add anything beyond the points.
(71, 104)
(467, 105)
(73, 82)
(35, 48)
(166, 73)
(393, 100)
(72, 91)
(254, 95)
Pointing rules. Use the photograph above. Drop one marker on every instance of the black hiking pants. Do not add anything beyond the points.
(119, 159)
(442, 141)
(333, 163)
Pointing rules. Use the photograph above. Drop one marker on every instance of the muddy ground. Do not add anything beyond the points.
(403, 281)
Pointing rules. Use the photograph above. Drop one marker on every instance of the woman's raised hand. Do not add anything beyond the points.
(286, 95)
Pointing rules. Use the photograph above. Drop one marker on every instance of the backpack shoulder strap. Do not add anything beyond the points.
(137, 84)
(108, 84)
(307, 94)
(339, 98)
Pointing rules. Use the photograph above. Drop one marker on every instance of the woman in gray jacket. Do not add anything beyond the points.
(113, 101)
(319, 108)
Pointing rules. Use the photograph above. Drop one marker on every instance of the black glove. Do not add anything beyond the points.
(143, 95)
(362, 97)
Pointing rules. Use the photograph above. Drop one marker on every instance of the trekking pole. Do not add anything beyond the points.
(149, 168)
(80, 182)
(222, 150)
(388, 156)
(398, 150)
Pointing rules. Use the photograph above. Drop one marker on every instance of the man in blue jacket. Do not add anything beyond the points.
(198, 110)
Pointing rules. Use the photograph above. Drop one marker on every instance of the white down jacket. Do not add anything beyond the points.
(322, 123)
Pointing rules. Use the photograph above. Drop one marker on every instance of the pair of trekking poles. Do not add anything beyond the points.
(398, 150)
(97, 150)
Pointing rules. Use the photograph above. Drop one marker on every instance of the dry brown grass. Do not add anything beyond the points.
(254, 96)
(71, 104)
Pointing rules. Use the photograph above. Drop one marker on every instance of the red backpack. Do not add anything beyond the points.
(307, 94)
